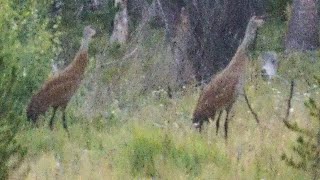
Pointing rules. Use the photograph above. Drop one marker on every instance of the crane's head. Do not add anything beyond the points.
(198, 120)
(256, 21)
(88, 32)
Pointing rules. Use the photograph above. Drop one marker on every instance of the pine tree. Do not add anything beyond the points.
(307, 145)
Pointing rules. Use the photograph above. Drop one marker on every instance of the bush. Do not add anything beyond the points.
(307, 146)
(27, 47)
(9, 125)
(151, 150)
(277, 8)
(26, 50)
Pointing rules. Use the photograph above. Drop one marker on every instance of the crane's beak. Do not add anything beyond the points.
(196, 125)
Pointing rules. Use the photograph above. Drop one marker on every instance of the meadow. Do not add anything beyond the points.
(157, 140)
(123, 125)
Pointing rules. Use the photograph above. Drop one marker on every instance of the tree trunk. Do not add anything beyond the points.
(216, 29)
(184, 70)
(203, 35)
(303, 32)
(120, 32)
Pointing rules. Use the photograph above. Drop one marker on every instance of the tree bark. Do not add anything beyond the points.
(184, 70)
(206, 43)
(303, 32)
(120, 32)
(217, 28)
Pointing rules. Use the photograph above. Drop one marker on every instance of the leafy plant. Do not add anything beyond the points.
(149, 148)
(26, 50)
(307, 146)
(9, 125)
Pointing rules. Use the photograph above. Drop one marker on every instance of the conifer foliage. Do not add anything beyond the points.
(306, 150)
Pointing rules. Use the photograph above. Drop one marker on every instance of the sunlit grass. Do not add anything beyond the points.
(139, 133)
(157, 141)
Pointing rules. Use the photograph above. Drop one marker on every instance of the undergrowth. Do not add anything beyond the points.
(123, 125)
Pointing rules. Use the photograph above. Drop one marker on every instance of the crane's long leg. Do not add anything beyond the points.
(218, 122)
(64, 121)
(200, 125)
(228, 109)
(201, 121)
(52, 118)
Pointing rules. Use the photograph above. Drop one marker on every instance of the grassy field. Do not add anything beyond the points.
(157, 140)
(126, 134)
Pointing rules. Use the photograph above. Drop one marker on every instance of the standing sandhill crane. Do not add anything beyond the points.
(58, 90)
(224, 88)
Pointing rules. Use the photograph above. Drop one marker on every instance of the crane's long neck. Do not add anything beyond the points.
(85, 44)
(81, 59)
(248, 37)
(238, 61)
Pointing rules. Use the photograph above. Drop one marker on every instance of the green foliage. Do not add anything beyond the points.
(76, 14)
(307, 147)
(153, 139)
(142, 157)
(277, 8)
(27, 47)
(269, 38)
(301, 66)
(26, 50)
(9, 125)
(112, 121)
(149, 148)
(116, 51)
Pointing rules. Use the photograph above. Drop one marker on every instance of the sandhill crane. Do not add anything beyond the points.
(224, 88)
(58, 90)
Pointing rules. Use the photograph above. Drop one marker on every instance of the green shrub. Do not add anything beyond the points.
(150, 147)
(9, 125)
(142, 152)
(300, 66)
(277, 8)
(26, 50)
(271, 39)
(27, 46)
(307, 147)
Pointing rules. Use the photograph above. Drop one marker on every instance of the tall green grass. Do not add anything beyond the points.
(135, 131)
